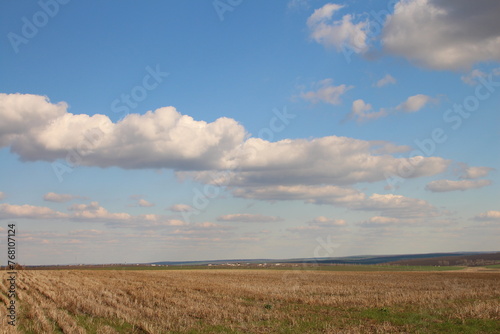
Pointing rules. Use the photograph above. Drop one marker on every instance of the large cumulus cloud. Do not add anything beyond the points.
(36, 129)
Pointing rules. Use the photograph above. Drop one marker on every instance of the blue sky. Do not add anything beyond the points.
(137, 132)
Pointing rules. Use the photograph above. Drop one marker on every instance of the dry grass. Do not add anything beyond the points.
(249, 301)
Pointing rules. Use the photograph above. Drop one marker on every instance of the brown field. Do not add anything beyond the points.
(254, 301)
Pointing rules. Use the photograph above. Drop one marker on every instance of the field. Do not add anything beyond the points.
(255, 301)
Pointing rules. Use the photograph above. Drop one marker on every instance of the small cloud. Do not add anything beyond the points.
(471, 78)
(59, 198)
(94, 211)
(2, 195)
(414, 103)
(29, 211)
(140, 202)
(489, 216)
(175, 222)
(462, 185)
(155, 221)
(377, 221)
(208, 225)
(323, 221)
(387, 80)
(343, 34)
(363, 112)
(93, 206)
(145, 204)
(476, 75)
(326, 92)
(181, 208)
(475, 172)
(248, 218)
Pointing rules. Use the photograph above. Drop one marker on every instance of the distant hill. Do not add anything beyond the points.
(430, 259)
(361, 259)
(464, 260)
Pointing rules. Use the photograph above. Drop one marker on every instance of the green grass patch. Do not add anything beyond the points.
(208, 329)
(92, 324)
(423, 321)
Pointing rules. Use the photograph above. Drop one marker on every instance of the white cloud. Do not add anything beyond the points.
(145, 204)
(342, 34)
(248, 218)
(19, 113)
(475, 172)
(2, 195)
(470, 78)
(444, 34)
(363, 112)
(59, 198)
(414, 103)
(387, 222)
(387, 204)
(328, 160)
(387, 80)
(462, 185)
(166, 139)
(29, 211)
(181, 208)
(320, 223)
(326, 222)
(326, 92)
(156, 221)
(398, 206)
(94, 211)
(160, 139)
(323, 13)
(489, 216)
(308, 194)
(91, 212)
(140, 202)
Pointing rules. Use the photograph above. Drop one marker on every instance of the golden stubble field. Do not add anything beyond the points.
(254, 301)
